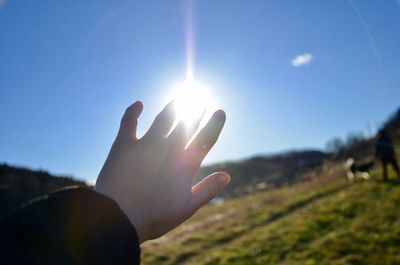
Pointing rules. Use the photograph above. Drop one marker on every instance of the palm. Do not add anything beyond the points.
(151, 178)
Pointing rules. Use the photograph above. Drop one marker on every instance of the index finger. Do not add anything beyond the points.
(205, 140)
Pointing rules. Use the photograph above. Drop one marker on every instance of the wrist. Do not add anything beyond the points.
(132, 217)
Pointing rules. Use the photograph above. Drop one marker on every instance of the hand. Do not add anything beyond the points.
(151, 178)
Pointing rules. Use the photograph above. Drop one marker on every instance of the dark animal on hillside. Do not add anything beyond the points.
(358, 169)
(385, 152)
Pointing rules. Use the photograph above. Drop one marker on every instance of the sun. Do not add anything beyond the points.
(193, 101)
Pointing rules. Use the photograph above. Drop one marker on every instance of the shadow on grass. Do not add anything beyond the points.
(273, 218)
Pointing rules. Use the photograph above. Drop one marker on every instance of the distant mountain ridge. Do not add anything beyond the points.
(19, 185)
(268, 171)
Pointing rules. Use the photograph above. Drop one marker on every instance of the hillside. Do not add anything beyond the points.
(324, 220)
(327, 220)
(18, 185)
(270, 171)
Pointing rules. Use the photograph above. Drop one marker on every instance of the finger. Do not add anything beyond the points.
(163, 122)
(178, 135)
(206, 189)
(182, 133)
(206, 138)
(128, 127)
(196, 124)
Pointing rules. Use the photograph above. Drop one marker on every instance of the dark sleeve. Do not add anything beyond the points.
(71, 226)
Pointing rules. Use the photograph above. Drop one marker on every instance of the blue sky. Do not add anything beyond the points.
(290, 74)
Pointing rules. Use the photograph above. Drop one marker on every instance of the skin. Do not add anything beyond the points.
(151, 178)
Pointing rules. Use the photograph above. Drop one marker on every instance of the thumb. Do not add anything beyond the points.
(206, 189)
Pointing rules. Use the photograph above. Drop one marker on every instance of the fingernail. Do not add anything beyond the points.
(220, 115)
(224, 180)
(138, 105)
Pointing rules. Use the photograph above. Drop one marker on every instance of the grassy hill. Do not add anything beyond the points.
(324, 221)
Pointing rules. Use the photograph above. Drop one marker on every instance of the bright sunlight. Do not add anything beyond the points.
(193, 101)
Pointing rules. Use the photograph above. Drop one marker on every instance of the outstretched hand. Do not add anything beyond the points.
(151, 178)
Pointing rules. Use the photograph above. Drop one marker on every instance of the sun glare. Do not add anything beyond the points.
(193, 101)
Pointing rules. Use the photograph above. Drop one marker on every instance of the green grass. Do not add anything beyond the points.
(324, 221)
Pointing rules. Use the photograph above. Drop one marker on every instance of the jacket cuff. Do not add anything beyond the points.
(75, 225)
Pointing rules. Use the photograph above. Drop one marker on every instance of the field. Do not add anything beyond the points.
(327, 220)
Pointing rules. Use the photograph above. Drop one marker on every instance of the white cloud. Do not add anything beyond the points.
(302, 59)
